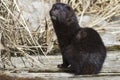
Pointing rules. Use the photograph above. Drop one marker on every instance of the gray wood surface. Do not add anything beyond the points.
(110, 71)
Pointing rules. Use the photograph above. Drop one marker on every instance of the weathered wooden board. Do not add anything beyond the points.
(110, 71)
(111, 65)
(66, 76)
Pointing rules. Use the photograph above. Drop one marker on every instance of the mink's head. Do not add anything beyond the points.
(62, 13)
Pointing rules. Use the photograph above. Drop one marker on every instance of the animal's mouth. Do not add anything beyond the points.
(53, 17)
(54, 14)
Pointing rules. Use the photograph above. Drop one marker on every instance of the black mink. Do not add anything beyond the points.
(82, 49)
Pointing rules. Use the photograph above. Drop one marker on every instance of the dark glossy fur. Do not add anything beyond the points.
(82, 49)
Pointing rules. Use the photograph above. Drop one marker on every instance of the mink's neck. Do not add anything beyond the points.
(65, 33)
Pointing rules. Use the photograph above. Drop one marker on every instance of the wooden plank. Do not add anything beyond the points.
(112, 64)
(54, 76)
(66, 76)
(62, 75)
(110, 70)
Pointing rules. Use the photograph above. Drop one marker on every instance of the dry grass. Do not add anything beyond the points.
(19, 40)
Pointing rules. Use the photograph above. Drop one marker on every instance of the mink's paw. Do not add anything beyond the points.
(62, 66)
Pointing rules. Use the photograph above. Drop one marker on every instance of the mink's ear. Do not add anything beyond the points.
(67, 7)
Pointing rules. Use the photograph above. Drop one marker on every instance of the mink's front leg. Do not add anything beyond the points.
(65, 62)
